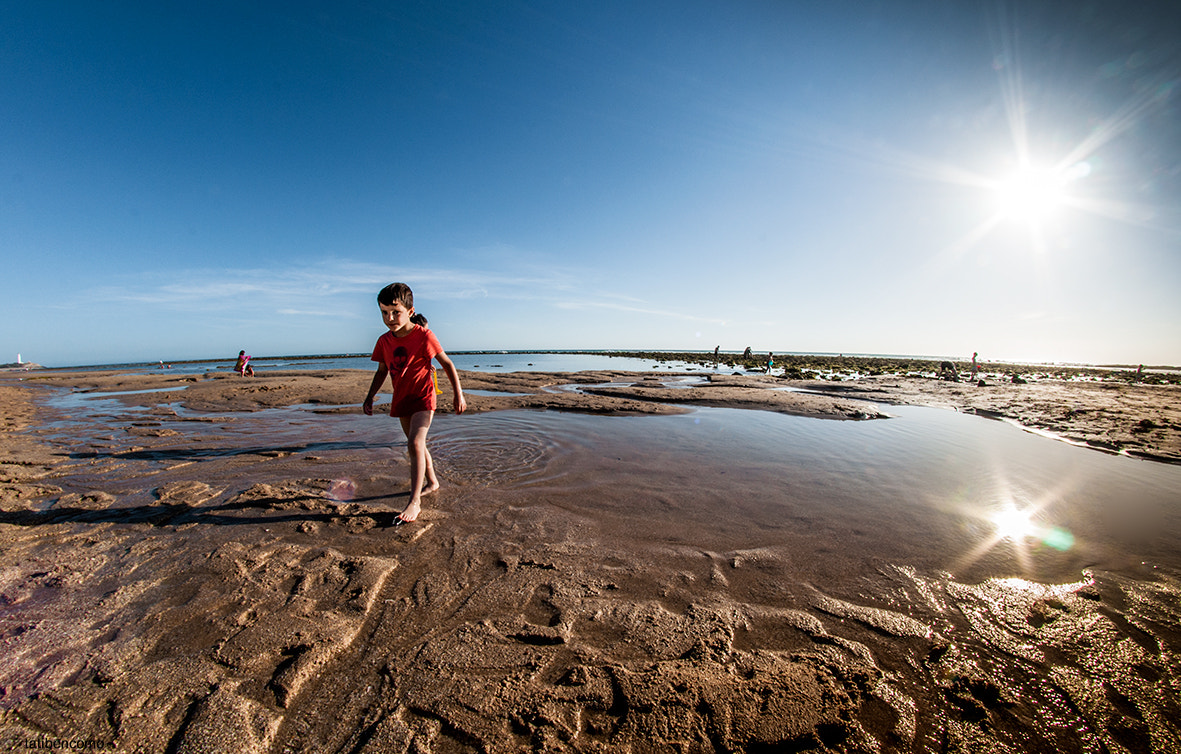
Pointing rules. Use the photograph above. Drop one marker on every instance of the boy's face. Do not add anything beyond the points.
(396, 316)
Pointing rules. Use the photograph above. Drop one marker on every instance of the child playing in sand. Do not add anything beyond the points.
(242, 366)
(404, 354)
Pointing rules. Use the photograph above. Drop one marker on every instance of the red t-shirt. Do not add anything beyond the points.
(409, 361)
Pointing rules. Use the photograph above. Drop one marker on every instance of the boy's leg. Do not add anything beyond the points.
(422, 471)
(430, 482)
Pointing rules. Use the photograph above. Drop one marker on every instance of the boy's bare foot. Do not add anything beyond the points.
(410, 513)
(430, 487)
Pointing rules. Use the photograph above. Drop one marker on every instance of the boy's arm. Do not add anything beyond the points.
(378, 380)
(453, 376)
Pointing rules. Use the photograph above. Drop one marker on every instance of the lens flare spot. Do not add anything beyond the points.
(1077, 171)
(1058, 538)
(342, 490)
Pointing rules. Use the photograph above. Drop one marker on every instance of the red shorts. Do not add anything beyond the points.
(412, 404)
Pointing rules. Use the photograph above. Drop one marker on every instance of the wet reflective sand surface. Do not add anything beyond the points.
(714, 580)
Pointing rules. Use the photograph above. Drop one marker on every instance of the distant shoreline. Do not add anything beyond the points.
(871, 360)
(828, 363)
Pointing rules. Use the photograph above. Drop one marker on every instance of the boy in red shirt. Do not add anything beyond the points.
(404, 354)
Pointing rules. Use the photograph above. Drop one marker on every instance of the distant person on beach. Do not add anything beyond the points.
(747, 353)
(770, 362)
(404, 354)
(242, 366)
(975, 366)
(947, 372)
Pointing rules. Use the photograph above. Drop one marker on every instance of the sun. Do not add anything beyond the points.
(1032, 194)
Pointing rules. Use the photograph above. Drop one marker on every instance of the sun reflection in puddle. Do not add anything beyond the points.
(1013, 524)
(1019, 525)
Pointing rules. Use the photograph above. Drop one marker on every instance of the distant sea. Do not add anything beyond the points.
(512, 361)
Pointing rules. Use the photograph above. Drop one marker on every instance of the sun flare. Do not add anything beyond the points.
(1013, 524)
(1031, 193)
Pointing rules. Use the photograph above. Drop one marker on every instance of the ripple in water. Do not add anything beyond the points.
(497, 449)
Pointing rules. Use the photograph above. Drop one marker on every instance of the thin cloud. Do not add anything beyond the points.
(316, 313)
(315, 285)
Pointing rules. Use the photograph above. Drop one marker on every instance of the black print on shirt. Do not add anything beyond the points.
(398, 363)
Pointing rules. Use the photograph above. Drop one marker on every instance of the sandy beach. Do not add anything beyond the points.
(204, 563)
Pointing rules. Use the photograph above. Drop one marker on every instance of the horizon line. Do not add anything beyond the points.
(622, 352)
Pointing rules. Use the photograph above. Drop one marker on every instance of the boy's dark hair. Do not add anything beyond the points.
(396, 293)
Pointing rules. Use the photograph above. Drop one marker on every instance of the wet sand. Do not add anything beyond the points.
(211, 567)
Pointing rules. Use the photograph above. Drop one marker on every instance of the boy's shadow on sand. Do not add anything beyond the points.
(197, 454)
(176, 514)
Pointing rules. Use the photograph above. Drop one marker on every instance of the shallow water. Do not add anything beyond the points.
(926, 487)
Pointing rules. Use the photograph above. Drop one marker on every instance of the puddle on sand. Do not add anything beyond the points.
(493, 393)
(88, 399)
(926, 482)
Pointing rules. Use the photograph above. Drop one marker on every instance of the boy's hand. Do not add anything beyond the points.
(460, 403)
(367, 407)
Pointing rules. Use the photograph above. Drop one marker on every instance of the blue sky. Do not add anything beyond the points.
(184, 180)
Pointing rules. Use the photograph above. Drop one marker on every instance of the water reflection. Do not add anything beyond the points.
(1013, 524)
